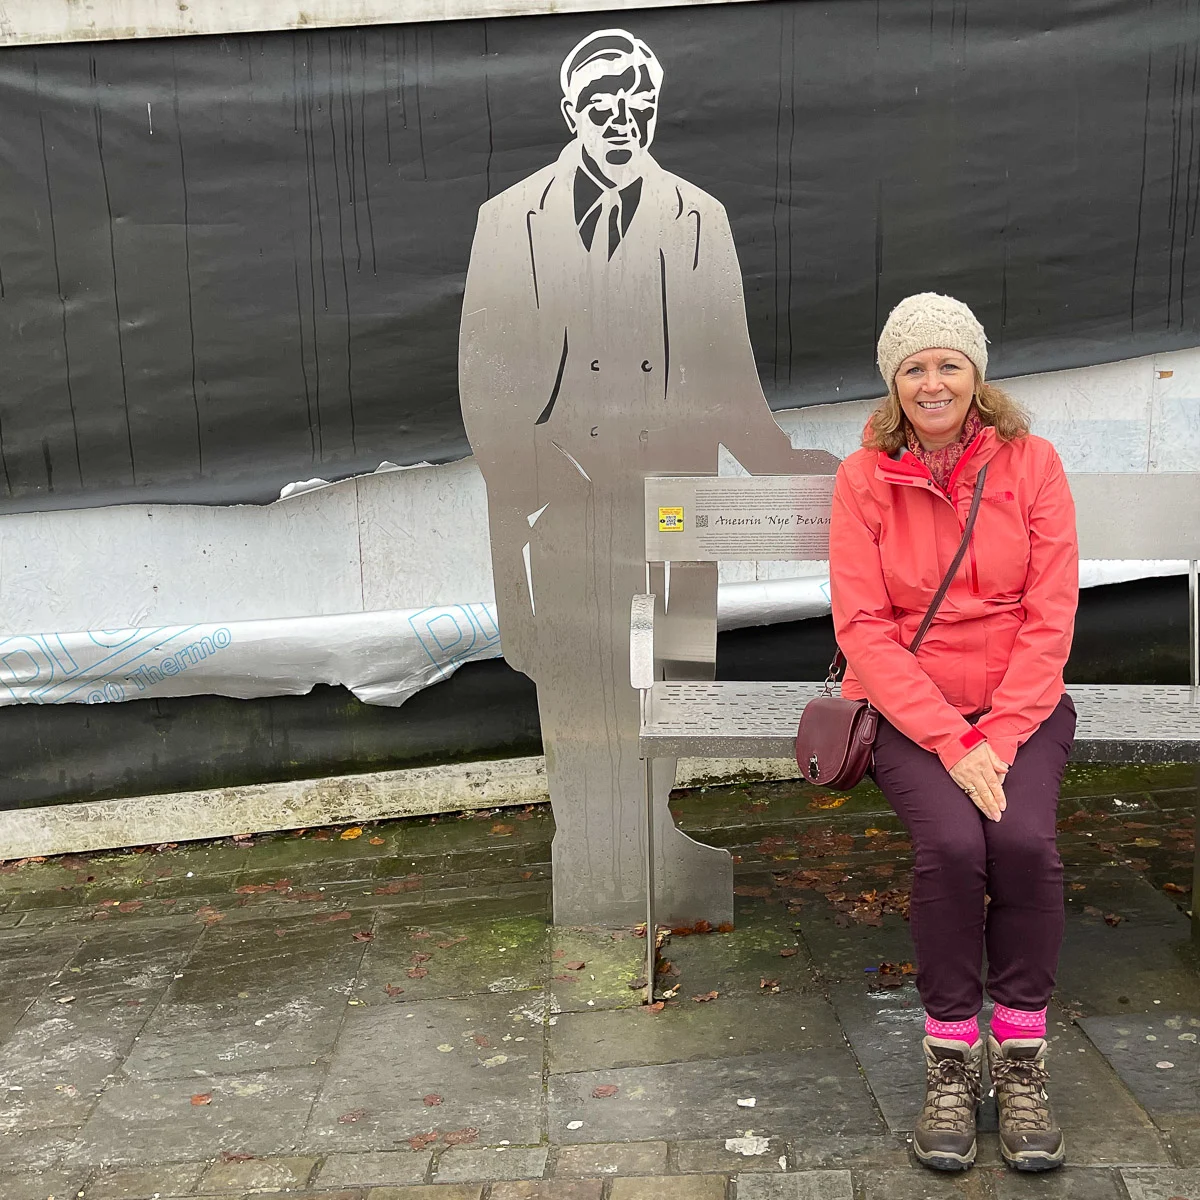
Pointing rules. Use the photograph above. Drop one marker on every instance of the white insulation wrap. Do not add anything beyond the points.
(383, 583)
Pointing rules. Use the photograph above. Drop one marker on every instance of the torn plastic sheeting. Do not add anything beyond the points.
(382, 657)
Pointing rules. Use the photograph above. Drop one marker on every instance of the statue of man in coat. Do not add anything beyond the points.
(604, 340)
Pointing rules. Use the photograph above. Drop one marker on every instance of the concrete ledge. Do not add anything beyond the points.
(299, 804)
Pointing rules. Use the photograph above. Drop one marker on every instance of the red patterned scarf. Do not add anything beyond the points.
(941, 463)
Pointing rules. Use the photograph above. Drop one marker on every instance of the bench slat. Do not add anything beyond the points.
(1119, 723)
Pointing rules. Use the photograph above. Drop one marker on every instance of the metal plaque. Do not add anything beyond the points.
(760, 517)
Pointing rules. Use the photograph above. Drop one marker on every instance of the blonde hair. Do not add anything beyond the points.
(887, 429)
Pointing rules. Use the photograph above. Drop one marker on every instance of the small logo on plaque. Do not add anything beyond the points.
(670, 520)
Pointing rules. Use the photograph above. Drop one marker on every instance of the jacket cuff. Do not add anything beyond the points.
(1004, 747)
(958, 748)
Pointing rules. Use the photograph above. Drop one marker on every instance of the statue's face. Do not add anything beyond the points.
(614, 118)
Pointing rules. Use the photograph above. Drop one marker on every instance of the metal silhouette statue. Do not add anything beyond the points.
(604, 340)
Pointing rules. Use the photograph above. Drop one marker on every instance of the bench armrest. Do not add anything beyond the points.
(641, 643)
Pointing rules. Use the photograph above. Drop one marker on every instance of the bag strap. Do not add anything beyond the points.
(839, 659)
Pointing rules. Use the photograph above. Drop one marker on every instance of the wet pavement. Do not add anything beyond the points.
(386, 1013)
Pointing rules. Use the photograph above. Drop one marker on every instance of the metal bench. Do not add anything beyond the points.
(1119, 516)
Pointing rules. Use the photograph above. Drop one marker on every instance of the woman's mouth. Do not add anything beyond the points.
(934, 405)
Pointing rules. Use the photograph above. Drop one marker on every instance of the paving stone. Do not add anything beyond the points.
(881, 1151)
(613, 959)
(142, 1183)
(685, 1029)
(258, 1175)
(612, 1158)
(387, 1061)
(1134, 1045)
(820, 1088)
(804, 1185)
(34, 1149)
(712, 1157)
(469, 1163)
(463, 954)
(1179, 1184)
(42, 1185)
(28, 962)
(252, 1000)
(428, 1192)
(155, 1121)
(919, 1183)
(549, 1189)
(1183, 1132)
(733, 963)
(1067, 1183)
(379, 1167)
(1147, 957)
(672, 1187)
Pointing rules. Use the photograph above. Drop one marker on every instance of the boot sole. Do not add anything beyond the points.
(1032, 1160)
(945, 1160)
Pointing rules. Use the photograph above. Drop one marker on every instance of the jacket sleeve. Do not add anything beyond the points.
(869, 637)
(1032, 685)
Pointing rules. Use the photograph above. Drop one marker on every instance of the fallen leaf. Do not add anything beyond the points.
(432, 1100)
(725, 927)
(567, 978)
(363, 935)
(348, 835)
(452, 942)
(706, 997)
(417, 972)
(353, 1116)
(482, 1042)
(1145, 841)
(657, 1006)
(128, 906)
(605, 1090)
(1112, 919)
(201, 1099)
(393, 991)
(575, 966)
(377, 841)
(500, 830)
(232, 1156)
(281, 933)
(460, 1137)
(418, 957)
(769, 985)
(420, 935)
(1180, 889)
(422, 1141)
(827, 802)
(209, 915)
(788, 952)
(324, 918)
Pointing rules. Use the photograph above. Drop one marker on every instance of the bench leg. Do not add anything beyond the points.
(651, 923)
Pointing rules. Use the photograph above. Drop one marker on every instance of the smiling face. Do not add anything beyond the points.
(935, 389)
(614, 118)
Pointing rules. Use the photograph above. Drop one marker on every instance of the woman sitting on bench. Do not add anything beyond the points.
(975, 727)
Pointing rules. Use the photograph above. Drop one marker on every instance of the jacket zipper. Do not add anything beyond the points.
(973, 565)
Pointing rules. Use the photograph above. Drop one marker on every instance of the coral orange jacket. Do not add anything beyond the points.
(1002, 635)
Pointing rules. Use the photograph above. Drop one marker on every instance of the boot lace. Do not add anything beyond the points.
(1021, 1086)
(953, 1092)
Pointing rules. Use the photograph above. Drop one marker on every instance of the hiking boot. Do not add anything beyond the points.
(1030, 1138)
(944, 1138)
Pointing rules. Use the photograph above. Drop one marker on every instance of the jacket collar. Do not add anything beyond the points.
(908, 471)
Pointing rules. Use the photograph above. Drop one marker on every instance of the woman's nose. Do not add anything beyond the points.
(930, 382)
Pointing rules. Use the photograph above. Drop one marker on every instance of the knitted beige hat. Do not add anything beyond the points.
(928, 321)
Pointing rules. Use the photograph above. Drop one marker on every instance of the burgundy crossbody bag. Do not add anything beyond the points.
(834, 741)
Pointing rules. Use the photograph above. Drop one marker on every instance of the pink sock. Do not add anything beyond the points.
(1009, 1023)
(958, 1031)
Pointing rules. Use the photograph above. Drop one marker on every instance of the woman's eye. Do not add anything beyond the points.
(950, 367)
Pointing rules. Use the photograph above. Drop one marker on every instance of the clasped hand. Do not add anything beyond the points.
(980, 773)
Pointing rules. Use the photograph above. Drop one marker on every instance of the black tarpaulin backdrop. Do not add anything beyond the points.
(230, 263)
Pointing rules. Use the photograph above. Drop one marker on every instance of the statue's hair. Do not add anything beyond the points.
(887, 428)
(607, 52)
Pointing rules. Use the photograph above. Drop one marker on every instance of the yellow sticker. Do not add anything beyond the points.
(670, 520)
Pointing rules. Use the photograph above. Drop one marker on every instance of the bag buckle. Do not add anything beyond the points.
(814, 768)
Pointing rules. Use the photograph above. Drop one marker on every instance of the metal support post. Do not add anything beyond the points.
(651, 923)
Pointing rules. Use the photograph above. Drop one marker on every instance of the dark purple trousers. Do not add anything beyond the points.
(961, 857)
